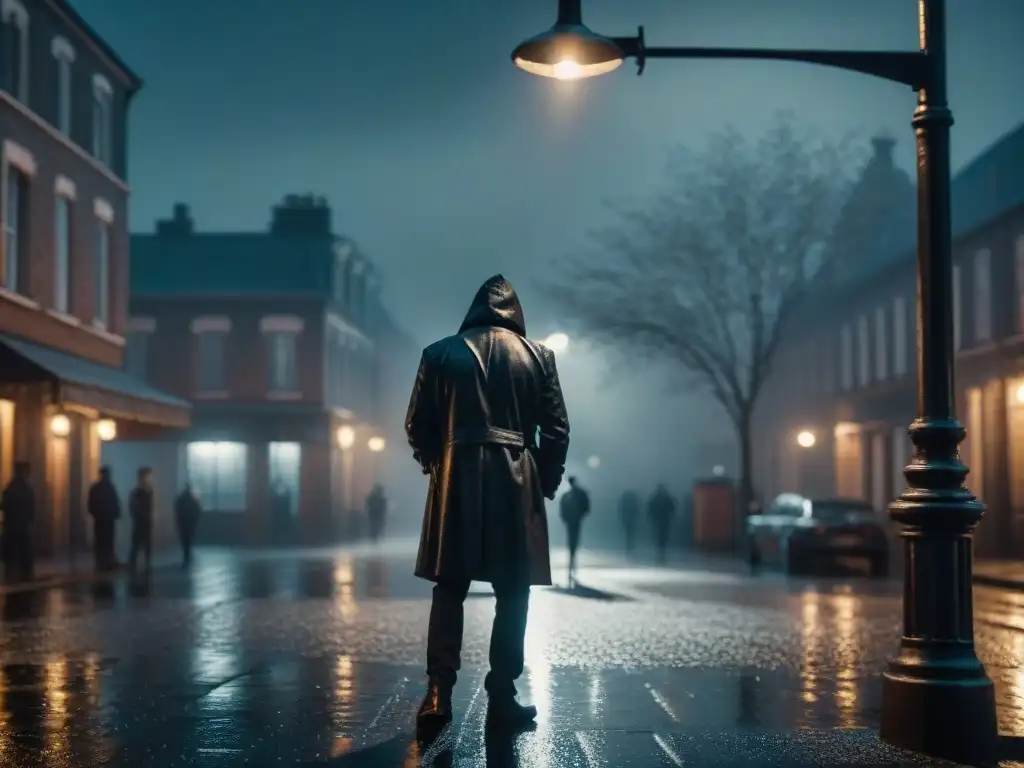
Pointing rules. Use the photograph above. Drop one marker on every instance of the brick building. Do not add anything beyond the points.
(272, 337)
(64, 97)
(847, 370)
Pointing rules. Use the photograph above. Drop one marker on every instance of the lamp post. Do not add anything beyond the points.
(936, 696)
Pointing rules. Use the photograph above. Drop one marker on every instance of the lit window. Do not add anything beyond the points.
(983, 296)
(881, 347)
(846, 357)
(863, 351)
(64, 53)
(217, 472)
(15, 49)
(285, 469)
(101, 276)
(15, 220)
(211, 360)
(62, 255)
(957, 309)
(283, 374)
(102, 119)
(899, 335)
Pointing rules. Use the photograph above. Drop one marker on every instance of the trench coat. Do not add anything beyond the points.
(488, 424)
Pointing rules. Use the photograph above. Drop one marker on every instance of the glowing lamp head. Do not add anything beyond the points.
(718, 470)
(594, 462)
(106, 429)
(568, 51)
(346, 437)
(556, 342)
(376, 444)
(806, 439)
(1020, 394)
(60, 425)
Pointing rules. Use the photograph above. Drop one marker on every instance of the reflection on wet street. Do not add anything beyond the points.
(316, 657)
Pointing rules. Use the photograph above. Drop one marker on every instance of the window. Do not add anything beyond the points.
(1019, 257)
(65, 56)
(218, 473)
(881, 347)
(102, 119)
(211, 360)
(136, 354)
(899, 336)
(101, 276)
(863, 352)
(957, 313)
(15, 49)
(285, 466)
(281, 346)
(62, 255)
(846, 357)
(983, 296)
(15, 256)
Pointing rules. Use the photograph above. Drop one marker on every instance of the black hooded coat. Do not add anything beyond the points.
(487, 422)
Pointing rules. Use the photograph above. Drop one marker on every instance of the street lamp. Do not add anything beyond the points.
(376, 444)
(594, 462)
(806, 439)
(936, 696)
(346, 436)
(556, 342)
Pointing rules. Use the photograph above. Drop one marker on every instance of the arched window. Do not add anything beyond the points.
(15, 48)
(102, 119)
(64, 53)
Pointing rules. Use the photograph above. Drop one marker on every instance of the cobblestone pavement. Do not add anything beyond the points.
(315, 658)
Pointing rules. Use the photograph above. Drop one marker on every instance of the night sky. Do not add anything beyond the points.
(447, 164)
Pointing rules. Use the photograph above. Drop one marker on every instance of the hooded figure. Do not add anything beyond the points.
(487, 422)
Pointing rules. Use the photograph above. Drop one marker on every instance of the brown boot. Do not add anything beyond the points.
(436, 708)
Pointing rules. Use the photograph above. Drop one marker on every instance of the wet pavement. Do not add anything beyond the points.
(315, 658)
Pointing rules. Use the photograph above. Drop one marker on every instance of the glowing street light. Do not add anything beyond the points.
(568, 51)
(1020, 394)
(106, 430)
(806, 439)
(594, 462)
(346, 437)
(60, 425)
(556, 342)
(376, 444)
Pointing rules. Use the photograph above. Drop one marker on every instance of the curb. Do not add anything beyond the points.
(997, 581)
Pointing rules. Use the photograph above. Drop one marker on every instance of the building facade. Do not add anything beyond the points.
(846, 372)
(271, 336)
(64, 97)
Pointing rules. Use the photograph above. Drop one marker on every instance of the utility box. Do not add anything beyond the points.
(714, 514)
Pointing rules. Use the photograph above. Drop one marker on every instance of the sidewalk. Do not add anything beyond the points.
(1008, 574)
(58, 573)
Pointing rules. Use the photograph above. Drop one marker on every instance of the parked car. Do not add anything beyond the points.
(799, 533)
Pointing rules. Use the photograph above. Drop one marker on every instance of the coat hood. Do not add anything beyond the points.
(497, 305)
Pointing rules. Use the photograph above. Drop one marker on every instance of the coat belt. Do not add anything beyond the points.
(488, 436)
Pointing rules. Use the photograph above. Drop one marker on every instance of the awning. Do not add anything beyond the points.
(78, 381)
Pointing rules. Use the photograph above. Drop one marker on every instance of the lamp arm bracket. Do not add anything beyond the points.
(634, 47)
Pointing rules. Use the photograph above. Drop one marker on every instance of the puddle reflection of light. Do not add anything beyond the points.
(341, 717)
(810, 635)
(91, 675)
(595, 693)
(344, 582)
(57, 743)
(847, 690)
(536, 751)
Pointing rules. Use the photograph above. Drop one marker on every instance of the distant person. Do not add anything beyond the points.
(141, 510)
(187, 511)
(18, 505)
(104, 507)
(629, 512)
(574, 506)
(281, 510)
(376, 511)
(487, 423)
(661, 508)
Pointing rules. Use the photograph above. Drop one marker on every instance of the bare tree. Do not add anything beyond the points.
(707, 271)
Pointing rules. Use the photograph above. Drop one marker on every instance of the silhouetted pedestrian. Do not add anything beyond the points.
(376, 511)
(574, 506)
(187, 511)
(629, 511)
(140, 507)
(661, 508)
(18, 504)
(480, 400)
(104, 507)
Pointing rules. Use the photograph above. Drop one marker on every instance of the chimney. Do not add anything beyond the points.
(883, 146)
(179, 225)
(301, 216)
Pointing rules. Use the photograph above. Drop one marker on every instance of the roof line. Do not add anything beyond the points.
(100, 45)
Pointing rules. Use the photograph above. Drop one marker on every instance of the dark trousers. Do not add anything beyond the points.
(19, 557)
(187, 537)
(142, 544)
(573, 532)
(508, 633)
(630, 532)
(103, 543)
